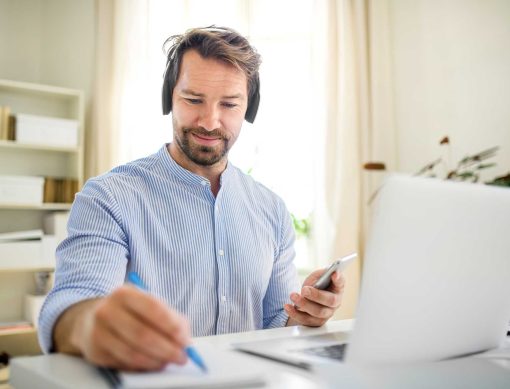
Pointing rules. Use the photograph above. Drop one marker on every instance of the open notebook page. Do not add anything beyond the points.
(225, 370)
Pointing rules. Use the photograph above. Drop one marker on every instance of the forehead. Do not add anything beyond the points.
(206, 75)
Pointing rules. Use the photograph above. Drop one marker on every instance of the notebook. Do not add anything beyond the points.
(225, 370)
(436, 279)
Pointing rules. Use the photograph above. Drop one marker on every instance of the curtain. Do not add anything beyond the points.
(352, 54)
(121, 77)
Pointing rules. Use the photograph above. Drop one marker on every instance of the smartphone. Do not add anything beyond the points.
(339, 265)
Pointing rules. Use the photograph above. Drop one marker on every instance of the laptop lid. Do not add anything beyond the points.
(436, 278)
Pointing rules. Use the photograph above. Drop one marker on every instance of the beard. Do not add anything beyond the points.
(199, 154)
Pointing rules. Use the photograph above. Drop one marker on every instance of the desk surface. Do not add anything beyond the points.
(58, 371)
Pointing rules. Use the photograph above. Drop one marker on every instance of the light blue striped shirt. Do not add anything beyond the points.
(226, 263)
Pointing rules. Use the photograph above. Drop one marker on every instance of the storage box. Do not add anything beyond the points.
(55, 224)
(30, 254)
(47, 131)
(33, 305)
(21, 190)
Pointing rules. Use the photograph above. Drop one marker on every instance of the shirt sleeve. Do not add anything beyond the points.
(284, 278)
(91, 261)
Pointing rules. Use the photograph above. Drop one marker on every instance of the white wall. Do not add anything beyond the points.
(451, 72)
(49, 42)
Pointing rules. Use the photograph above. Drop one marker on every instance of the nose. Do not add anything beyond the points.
(209, 118)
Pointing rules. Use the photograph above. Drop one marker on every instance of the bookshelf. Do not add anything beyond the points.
(31, 159)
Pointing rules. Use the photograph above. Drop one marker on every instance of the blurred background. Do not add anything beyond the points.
(343, 83)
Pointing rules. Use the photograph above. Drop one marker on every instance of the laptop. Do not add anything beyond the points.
(436, 279)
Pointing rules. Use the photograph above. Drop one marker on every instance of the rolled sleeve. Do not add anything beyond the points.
(91, 261)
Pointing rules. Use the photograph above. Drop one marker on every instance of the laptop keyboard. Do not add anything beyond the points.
(335, 351)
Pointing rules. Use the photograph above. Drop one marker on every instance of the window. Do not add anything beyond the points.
(278, 150)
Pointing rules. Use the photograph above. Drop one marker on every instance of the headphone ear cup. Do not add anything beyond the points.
(167, 91)
(253, 102)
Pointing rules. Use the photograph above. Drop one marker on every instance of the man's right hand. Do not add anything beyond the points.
(128, 330)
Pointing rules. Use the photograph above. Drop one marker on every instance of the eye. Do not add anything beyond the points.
(193, 101)
(229, 105)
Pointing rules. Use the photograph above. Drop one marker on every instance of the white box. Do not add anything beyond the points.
(55, 223)
(21, 190)
(47, 131)
(30, 254)
(33, 305)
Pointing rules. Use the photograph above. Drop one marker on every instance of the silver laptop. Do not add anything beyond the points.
(436, 279)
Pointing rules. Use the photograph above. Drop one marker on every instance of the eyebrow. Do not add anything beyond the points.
(192, 93)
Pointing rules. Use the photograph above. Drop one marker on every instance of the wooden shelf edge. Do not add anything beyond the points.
(17, 331)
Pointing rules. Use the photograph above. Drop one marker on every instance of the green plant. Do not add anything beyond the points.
(301, 226)
(467, 169)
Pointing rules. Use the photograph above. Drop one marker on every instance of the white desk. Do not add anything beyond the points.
(60, 371)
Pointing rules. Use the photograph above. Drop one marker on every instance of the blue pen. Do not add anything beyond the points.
(135, 279)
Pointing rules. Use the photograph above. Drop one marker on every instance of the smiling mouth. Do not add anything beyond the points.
(205, 140)
(205, 137)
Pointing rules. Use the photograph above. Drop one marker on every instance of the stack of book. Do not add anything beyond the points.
(59, 190)
(7, 124)
(46, 131)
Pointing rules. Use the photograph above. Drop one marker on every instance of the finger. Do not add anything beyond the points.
(302, 317)
(114, 352)
(321, 297)
(314, 276)
(337, 284)
(140, 336)
(155, 313)
(312, 308)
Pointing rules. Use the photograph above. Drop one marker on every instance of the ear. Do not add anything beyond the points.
(253, 101)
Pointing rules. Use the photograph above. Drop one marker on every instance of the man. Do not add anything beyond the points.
(214, 248)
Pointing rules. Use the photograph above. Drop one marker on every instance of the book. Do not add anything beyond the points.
(11, 132)
(3, 135)
(6, 112)
(59, 190)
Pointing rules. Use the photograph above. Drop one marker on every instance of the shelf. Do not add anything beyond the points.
(9, 144)
(44, 90)
(17, 331)
(32, 269)
(41, 207)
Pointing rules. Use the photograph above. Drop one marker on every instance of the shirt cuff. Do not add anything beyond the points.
(54, 305)
(279, 320)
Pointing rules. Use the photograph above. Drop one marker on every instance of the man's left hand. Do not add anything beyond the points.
(314, 307)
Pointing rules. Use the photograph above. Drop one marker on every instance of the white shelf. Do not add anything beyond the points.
(32, 269)
(9, 144)
(21, 159)
(41, 207)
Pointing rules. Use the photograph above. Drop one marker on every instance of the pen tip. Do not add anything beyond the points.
(193, 355)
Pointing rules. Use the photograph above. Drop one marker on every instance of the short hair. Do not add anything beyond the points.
(221, 43)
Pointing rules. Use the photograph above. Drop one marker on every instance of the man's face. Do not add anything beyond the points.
(209, 102)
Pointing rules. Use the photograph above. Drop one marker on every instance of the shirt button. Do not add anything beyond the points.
(204, 182)
(221, 252)
(223, 298)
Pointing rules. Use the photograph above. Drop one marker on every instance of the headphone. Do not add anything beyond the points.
(170, 79)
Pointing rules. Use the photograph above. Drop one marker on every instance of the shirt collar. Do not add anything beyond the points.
(188, 177)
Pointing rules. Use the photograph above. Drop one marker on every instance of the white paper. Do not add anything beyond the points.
(225, 370)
